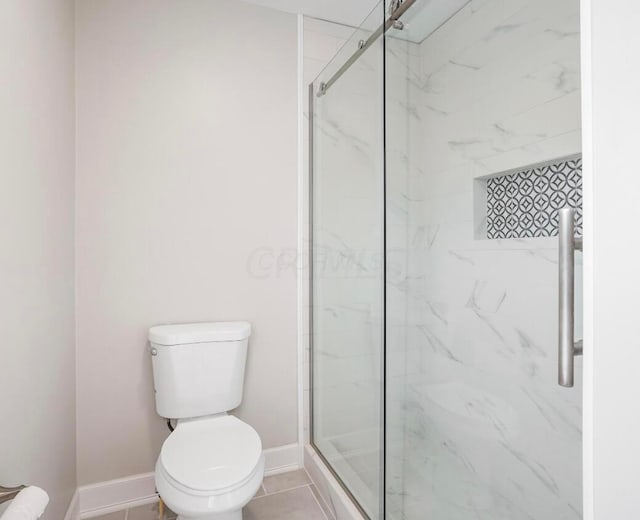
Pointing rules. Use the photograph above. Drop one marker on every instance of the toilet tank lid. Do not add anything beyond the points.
(187, 333)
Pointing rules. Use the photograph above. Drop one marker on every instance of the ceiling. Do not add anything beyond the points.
(349, 12)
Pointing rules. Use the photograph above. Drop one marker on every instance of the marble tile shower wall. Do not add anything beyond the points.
(350, 163)
(348, 273)
(321, 42)
(404, 197)
(488, 433)
(354, 449)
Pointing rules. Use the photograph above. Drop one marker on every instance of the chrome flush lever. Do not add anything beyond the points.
(567, 347)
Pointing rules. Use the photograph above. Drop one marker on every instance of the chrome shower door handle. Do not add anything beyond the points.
(567, 347)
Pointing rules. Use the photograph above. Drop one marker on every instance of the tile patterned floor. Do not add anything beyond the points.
(288, 496)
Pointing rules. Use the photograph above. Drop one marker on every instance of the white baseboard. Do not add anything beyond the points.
(136, 490)
(115, 495)
(73, 512)
(282, 459)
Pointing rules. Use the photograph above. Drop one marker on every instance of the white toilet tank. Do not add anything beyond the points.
(198, 368)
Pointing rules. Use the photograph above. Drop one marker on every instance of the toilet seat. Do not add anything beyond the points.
(211, 456)
(212, 505)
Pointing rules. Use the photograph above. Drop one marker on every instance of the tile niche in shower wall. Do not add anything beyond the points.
(524, 203)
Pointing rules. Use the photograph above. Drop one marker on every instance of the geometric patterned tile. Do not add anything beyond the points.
(525, 204)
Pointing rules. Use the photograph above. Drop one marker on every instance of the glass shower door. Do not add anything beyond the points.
(483, 140)
(347, 265)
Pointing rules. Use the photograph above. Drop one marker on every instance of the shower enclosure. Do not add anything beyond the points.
(445, 145)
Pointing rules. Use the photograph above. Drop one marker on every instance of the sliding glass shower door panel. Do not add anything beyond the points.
(483, 141)
(347, 264)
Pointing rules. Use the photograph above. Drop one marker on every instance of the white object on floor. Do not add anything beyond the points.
(29, 504)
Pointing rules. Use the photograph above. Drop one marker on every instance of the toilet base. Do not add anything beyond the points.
(231, 515)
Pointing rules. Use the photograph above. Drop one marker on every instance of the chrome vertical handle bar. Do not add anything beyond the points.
(567, 347)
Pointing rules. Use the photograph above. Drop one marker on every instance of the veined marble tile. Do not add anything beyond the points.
(499, 90)
(470, 324)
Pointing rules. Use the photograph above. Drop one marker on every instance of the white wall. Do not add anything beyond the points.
(612, 108)
(37, 437)
(187, 125)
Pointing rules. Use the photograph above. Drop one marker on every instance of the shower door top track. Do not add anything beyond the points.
(399, 8)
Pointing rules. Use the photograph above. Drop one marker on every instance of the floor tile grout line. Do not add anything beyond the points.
(315, 498)
(285, 490)
(281, 491)
(309, 484)
(327, 505)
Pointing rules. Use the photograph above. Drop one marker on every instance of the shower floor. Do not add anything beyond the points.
(356, 458)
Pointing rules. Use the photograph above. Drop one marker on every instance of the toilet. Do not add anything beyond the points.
(212, 464)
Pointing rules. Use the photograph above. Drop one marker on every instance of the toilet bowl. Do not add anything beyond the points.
(209, 468)
(212, 464)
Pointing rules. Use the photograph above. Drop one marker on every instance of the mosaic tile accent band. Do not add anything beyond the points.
(525, 204)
